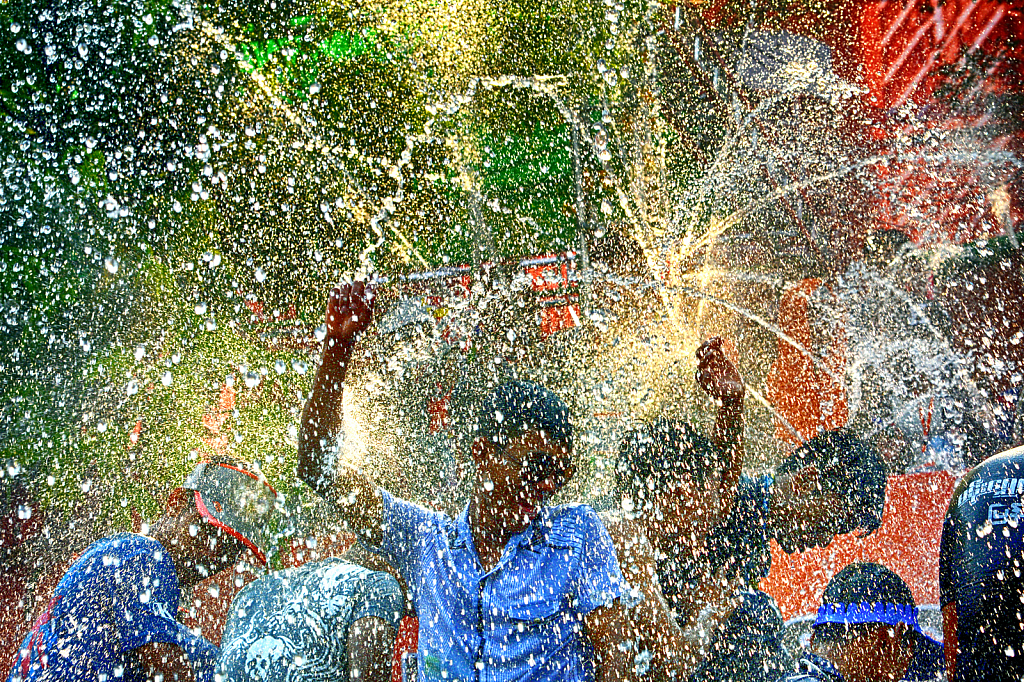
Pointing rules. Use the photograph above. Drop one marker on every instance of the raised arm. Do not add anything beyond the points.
(722, 381)
(349, 313)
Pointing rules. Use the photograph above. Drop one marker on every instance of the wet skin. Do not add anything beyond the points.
(198, 548)
(804, 516)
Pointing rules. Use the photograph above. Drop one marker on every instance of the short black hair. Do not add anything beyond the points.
(848, 467)
(515, 407)
(859, 583)
(652, 455)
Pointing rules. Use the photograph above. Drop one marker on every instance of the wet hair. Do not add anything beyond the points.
(848, 467)
(515, 407)
(653, 455)
(860, 583)
(885, 244)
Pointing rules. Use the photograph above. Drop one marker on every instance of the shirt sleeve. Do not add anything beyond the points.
(378, 595)
(404, 523)
(598, 581)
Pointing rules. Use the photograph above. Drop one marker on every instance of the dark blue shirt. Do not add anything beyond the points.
(749, 647)
(980, 568)
(523, 619)
(120, 595)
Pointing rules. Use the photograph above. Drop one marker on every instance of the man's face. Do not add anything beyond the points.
(809, 516)
(687, 509)
(520, 476)
(884, 653)
(813, 521)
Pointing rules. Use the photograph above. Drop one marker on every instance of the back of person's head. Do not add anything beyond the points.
(849, 468)
(653, 455)
(516, 407)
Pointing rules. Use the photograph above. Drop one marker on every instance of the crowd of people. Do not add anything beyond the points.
(515, 588)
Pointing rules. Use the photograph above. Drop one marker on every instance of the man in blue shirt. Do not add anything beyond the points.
(112, 617)
(512, 589)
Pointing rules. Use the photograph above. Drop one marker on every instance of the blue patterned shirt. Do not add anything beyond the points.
(293, 625)
(523, 619)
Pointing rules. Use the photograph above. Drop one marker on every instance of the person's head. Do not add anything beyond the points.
(522, 449)
(881, 247)
(867, 624)
(835, 485)
(668, 473)
(220, 510)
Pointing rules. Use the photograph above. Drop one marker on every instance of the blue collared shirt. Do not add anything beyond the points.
(523, 619)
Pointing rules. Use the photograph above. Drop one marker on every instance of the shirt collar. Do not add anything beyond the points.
(460, 534)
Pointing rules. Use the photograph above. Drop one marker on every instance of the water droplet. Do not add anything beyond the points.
(83, 51)
(200, 308)
(320, 332)
(15, 28)
(111, 265)
(211, 324)
(24, 512)
(166, 379)
(299, 366)
(252, 379)
(280, 366)
(132, 388)
(261, 274)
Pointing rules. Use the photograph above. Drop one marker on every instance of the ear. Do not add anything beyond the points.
(806, 481)
(481, 449)
(178, 501)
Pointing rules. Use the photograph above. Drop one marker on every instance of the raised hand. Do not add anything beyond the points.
(716, 374)
(349, 311)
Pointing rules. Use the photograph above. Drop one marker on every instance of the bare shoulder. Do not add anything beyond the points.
(623, 530)
(631, 544)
